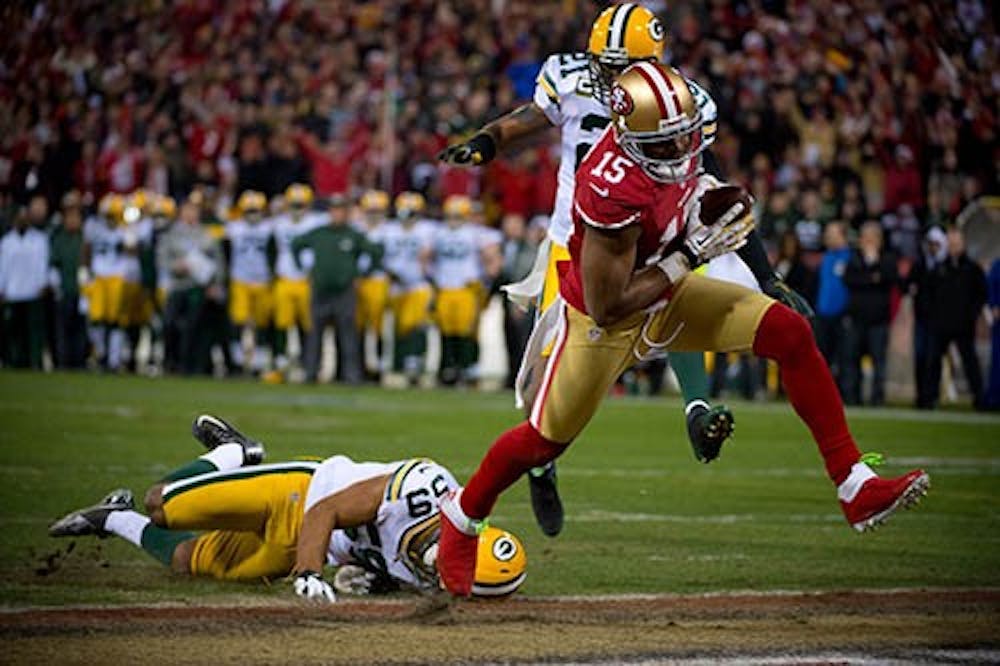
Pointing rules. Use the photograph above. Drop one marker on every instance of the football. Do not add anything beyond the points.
(726, 201)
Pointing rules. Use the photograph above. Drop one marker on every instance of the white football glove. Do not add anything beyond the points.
(310, 585)
(352, 579)
(727, 233)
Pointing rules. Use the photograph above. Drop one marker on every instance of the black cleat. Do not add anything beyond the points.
(213, 432)
(708, 428)
(545, 500)
(90, 521)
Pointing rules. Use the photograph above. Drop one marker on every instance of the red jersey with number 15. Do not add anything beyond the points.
(613, 192)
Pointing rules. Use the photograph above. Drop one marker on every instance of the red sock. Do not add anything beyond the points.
(514, 453)
(786, 337)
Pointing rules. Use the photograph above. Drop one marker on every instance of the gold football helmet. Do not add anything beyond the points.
(657, 122)
(409, 204)
(374, 201)
(299, 195)
(500, 563)
(458, 207)
(621, 35)
(112, 207)
(251, 203)
(164, 207)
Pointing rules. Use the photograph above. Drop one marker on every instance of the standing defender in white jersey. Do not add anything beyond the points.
(225, 515)
(572, 93)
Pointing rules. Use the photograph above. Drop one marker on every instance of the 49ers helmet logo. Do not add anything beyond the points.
(621, 101)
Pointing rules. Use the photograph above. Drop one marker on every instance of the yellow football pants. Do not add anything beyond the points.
(250, 304)
(105, 297)
(253, 515)
(550, 288)
(291, 303)
(410, 310)
(373, 299)
(457, 311)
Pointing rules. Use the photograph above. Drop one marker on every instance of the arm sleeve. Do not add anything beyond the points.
(547, 96)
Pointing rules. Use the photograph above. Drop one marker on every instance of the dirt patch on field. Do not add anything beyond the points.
(435, 630)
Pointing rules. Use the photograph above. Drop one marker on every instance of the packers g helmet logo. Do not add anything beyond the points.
(621, 101)
(500, 563)
(655, 29)
(504, 549)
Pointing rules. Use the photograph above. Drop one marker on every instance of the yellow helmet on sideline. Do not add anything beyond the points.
(374, 201)
(458, 206)
(500, 563)
(251, 201)
(299, 195)
(409, 204)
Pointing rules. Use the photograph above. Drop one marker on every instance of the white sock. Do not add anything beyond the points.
(116, 346)
(848, 490)
(695, 403)
(127, 524)
(225, 457)
(97, 339)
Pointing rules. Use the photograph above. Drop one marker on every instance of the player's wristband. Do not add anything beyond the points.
(485, 145)
(675, 267)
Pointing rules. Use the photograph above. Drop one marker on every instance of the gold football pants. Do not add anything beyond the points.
(567, 385)
(251, 516)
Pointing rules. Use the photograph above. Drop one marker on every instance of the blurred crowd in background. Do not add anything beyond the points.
(863, 129)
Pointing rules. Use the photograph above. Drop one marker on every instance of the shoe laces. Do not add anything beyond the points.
(872, 459)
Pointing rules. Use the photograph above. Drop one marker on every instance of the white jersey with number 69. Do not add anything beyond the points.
(564, 93)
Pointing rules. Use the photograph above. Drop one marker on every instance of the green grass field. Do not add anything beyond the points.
(642, 515)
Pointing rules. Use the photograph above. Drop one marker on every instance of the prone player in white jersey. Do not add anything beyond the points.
(225, 515)
(406, 240)
(572, 93)
(462, 253)
(291, 286)
(248, 244)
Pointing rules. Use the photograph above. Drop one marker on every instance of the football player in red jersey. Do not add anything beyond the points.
(643, 219)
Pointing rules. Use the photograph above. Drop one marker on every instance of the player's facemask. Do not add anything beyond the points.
(603, 72)
(667, 156)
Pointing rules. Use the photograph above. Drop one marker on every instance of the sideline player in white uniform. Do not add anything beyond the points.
(407, 242)
(101, 280)
(248, 243)
(377, 522)
(572, 93)
(462, 254)
(373, 286)
(291, 286)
